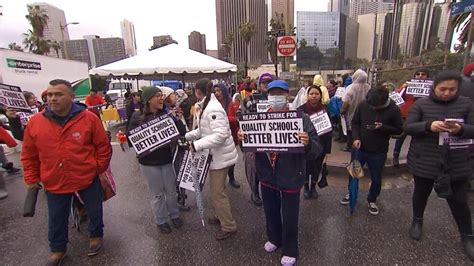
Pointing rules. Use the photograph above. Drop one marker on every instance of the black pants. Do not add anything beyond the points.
(313, 169)
(230, 173)
(281, 213)
(349, 139)
(457, 202)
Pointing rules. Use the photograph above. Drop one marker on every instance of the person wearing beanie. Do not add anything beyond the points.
(375, 119)
(435, 160)
(157, 165)
(420, 74)
(282, 175)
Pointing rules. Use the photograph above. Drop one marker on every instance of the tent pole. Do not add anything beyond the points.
(182, 80)
(138, 88)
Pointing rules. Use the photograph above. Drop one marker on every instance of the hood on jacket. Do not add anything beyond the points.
(76, 108)
(347, 81)
(359, 77)
(318, 80)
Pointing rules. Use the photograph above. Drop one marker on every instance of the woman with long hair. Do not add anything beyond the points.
(213, 133)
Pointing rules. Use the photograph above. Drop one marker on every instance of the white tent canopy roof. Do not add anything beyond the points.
(169, 59)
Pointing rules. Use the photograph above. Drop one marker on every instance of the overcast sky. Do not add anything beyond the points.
(151, 18)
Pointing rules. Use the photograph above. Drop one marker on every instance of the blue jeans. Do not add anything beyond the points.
(376, 163)
(59, 208)
(398, 145)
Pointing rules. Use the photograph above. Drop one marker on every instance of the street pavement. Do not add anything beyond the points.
(328, 234)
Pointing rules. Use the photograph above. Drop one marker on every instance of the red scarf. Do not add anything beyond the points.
(310, 109)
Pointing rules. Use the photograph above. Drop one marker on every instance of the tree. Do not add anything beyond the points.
(14, 46)
(247, 31)
(55, 46)
(303, 43)
(33, 39)
(276, 24)
(227, 45)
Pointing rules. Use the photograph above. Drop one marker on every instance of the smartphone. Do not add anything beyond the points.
(451, 121)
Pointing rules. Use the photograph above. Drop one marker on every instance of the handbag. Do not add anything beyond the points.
(354, 168)
(107, 183)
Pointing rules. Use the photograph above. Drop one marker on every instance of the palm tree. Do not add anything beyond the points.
(276, 24)
(14, 46)
(55, 46)
(34, 41)
(38, 19)
(247, 31)
(227, 45)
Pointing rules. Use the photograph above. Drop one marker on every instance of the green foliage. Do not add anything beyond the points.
(33, 38)
(247, 31)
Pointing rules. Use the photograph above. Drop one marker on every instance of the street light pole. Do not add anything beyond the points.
(62, 36)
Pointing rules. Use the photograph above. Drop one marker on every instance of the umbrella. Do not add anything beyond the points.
(324, 175)
(197, 187)
(355, 171)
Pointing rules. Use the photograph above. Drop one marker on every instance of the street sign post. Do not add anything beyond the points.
(286, 46)
(462, 7)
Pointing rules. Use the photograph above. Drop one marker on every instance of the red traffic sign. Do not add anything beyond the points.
(286, 46)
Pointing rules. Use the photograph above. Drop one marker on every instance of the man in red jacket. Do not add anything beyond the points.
(65, 148)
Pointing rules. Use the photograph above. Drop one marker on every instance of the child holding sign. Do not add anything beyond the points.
(314, 107)
(156, 166)
(281, 177)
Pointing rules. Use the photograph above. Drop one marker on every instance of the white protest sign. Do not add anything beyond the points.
(153, 134)
(263, 106)
(395, 96)
(344, 125)
(321, 122)
(340, 92)
(120, 103)
(201, 163)
(419, 88)
(25, 117)
(272, 132)
(453, 141)
(11, 96)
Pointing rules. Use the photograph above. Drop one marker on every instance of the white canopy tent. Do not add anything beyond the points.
(170, 61)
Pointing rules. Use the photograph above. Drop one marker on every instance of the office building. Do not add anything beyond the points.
(213, 53)
(374, 36)
(230, 14)
(162, 40)
(285, 7)
(90, 47)
(108, 50)
(128, 36)
(78, 50)
(330, 39)
(339, 6)
(361, 7)
(440, 26)
(197, 42)
(56, 20)
(410, 28)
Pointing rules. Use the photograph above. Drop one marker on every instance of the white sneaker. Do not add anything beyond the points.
(373, 209)
(269, 247)
(287, 261)
(345, 200)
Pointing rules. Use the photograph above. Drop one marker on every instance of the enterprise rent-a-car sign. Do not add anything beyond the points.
(22, 66)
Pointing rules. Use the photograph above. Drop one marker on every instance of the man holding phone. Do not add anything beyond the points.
(375, 119)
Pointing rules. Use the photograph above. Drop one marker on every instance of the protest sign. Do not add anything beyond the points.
(395, 96)
(340, 92)
(153, 135)
(263, 106)
(200, 162)
(11, 96)
(344, 125)
(453, 141)
(321, 122)
(25, 117)
(419, 88)
(272, 132)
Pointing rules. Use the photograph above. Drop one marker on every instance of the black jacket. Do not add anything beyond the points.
(160, 156)
(424, 154)
(376, 140)
(290, 168)
(467, 88)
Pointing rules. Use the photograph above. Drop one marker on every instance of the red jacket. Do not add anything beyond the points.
(94, 101)
(65, 158)
(409, 101)
(232, 117)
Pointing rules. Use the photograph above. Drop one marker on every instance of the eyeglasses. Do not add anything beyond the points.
(421, 74)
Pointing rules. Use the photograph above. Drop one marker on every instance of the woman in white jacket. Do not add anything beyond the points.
(214, 133)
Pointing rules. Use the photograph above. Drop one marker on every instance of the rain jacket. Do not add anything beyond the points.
(214, 133)
(424, 155)
(355, 93)
(65, 154)
(318, 80)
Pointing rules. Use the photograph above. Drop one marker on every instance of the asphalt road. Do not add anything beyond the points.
(328, 234)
